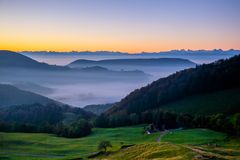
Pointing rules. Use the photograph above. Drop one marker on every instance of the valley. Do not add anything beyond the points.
(192, 113)
(119, 80)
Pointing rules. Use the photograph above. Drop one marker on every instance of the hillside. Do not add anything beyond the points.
(10, 95)
(197, 144)
(39, 114)
(207, 78)
(33, 87)
(132, 62)
(105, 72)
(26, 107)
(11, 59)
(67, 148)
(182, 144)
(207, 104)
(98, 108)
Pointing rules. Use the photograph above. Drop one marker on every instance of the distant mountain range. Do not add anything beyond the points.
(206, 89)
(105, 53)
(196, 56)
(26, 69)
(158, 62)
(12, 59)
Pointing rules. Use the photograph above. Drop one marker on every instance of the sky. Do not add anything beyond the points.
(123, 25)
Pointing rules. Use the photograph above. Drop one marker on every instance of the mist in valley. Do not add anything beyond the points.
(84, 87)
(95, 84)
(76, 88)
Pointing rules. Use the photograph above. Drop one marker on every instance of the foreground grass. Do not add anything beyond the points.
(183, 145)
(177, 145)
(194, 136)
(152, 151)
(46, 146)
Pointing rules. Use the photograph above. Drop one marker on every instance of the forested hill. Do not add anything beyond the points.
(39, 114)
(207, 78)
(10, 95)
(98, 108)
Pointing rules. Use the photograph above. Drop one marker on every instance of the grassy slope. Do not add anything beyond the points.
(152, 151)
(227, 101)
(193, 136)
(45, 144)
(184, 145)
(181, 144)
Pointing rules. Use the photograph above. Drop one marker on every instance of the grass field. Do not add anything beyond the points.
(184, 145)
(44, 146)
(194, 137)
(152, 151)
(177, 144)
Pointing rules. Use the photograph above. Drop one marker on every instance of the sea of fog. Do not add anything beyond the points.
(66, 58)
(110, 91)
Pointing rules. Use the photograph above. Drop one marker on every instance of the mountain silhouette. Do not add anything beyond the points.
(10, 95)
(9, 59)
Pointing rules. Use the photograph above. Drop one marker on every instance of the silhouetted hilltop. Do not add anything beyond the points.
(9, 59)
(10, 95)
(132, 62)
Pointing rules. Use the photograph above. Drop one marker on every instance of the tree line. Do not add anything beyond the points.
(162, 120)
(159, 120)
(80, 128)
(50, 118)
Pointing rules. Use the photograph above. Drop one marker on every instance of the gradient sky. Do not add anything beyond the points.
(123, 25)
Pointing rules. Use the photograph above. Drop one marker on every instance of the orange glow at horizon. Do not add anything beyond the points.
(120, 47)
(37, 41)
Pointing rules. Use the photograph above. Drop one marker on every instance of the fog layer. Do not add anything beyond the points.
(96, 85)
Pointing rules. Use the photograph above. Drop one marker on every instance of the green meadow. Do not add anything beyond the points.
(176, 144)
(194, 136)
(44, 146)
(188, 144)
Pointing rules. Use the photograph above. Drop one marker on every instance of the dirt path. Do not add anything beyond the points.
(197, 150)
(202, 154)
(162, 133)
